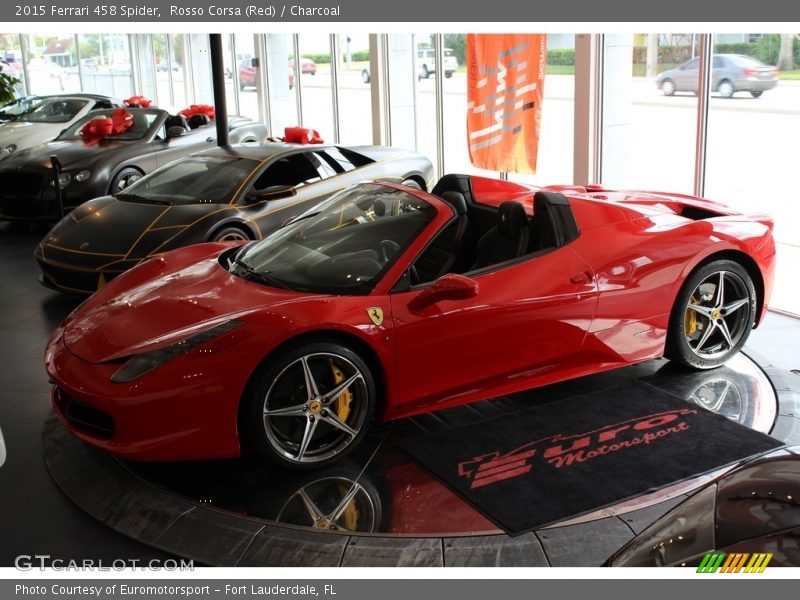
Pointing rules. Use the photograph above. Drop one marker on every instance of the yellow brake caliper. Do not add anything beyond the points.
(344, 399)
(351, 513)
(690, 322)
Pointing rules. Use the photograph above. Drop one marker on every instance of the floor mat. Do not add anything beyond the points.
(567, 458)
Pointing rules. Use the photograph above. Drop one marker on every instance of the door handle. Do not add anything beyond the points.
(580, 278)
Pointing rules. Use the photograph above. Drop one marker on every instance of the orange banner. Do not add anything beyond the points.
(505, 84)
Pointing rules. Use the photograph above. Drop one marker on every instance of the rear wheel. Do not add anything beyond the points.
(713, 315)
(365, 76)
(309, 407)
(756, 93)
(726, 89)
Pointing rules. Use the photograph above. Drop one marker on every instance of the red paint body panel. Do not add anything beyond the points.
(600, 302)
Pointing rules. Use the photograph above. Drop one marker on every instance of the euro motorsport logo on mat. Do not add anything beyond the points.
(734, 563)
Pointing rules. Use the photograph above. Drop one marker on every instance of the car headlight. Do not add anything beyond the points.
(83, 175)
(63, 180)
(10, 148)
(141, 364)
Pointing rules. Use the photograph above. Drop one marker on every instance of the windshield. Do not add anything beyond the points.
(192, 180)
(143, 120)
(54, 110)
(343, 249)
(13, 109)
(746, 61)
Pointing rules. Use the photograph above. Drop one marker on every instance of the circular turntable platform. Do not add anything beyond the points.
(377, 507)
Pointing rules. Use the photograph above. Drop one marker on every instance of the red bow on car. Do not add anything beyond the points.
(299, 135)
(199, 109)
(138, 101)
(100, 128)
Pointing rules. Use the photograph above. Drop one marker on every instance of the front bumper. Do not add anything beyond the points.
(27, 195)
(78, 272)
(166, 417)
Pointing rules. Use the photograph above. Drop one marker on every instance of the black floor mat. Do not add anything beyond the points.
(574, 456)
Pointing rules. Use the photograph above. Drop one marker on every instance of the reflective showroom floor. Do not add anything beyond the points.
(382, 490)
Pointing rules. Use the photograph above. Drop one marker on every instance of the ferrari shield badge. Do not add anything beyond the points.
(375, 315)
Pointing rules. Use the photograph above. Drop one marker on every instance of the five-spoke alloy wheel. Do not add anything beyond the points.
(713, 315)
(311, 406)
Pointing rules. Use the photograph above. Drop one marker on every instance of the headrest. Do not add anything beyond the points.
(511, 219)
(542, 198)
(198, 120)
(457, 200)
(176, 121)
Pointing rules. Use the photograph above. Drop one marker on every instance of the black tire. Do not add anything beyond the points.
(448, 74)
(241, 86)
(123, 179)
(412, 183)
(705, 330)
(756, 93)
(365, 77)
(425, 72)
(279, 386)
(229, 234)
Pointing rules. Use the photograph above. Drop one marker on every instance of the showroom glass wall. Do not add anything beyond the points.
(737, 145)
(372, 89)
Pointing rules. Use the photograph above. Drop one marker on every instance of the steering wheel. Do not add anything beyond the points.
(388, 249)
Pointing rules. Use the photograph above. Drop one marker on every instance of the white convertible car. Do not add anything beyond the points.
(46, 119)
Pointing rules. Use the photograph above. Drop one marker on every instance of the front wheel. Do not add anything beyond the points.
(309, 407)
(713, 315)
(412, 183)
(229, 234)
(124, 179)
(668, 87)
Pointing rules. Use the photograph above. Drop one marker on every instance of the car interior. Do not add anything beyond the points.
(481, 236)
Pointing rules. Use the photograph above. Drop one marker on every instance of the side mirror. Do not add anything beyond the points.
(273, 192)
(175, 131)
(447, 287)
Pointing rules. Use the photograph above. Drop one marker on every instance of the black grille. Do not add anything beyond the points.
(28, 195)
(84, 417)
(72, 281)
(20, 183)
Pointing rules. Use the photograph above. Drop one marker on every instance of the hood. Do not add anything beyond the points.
(69, 152)
(25, 135)
(107, 225)
(155, 305)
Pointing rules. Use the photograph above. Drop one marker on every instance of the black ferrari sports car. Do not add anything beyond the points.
(235, 193)
(88, 167)
(750, 513)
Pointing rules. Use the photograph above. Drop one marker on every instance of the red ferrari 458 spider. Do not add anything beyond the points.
(387, 301)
